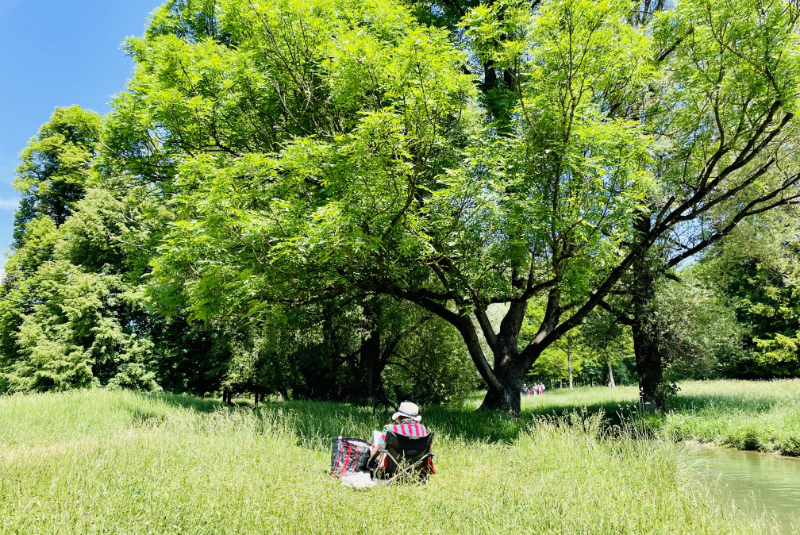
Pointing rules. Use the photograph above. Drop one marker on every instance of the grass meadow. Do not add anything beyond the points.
(748, 415)
(126, 462)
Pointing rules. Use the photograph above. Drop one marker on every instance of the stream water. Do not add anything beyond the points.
(756, 483)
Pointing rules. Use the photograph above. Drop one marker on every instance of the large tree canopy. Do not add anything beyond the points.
(325, 196)
(308, 149)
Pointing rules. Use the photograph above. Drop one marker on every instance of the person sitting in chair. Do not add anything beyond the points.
(406, 423)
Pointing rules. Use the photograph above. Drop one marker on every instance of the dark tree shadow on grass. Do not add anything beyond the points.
(316, 423)
(152, 414)
(188, 401)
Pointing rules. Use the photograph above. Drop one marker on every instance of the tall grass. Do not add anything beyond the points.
(122, 462)
(762, 416)
(749, 415)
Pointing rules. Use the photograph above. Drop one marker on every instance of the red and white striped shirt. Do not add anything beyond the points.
(408, 429)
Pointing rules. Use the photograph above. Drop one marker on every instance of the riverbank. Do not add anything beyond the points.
(121, 462)
(756, 416)
(748, 415)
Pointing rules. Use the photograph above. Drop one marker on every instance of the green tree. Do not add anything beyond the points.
(608, 345)
(724, 152)
(19, 287)
(55, 167)
(75, 337)
(756, 269)
(77, 319)
(323, 148)
(356, 348)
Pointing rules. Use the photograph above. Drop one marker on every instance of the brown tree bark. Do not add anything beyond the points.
(648, 367)
(644, 276)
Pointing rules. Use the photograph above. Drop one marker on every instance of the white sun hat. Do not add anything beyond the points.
(408, 410)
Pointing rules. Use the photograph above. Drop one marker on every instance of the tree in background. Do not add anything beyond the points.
(55, 167)
(76, 319)
(725, 154)
(589, 354)
(609, 345)
(694, 331)
(563, 360)
(20, 286)
(72, 307)
(756, 270)
(371, 352)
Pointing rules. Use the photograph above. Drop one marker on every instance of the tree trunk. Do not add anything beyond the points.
(644, 275)
(569, 365)
(510, 371)
(611, 382)
(370, 365)
(509, 400)
(648, 365)
(645, 336)
(505, 377)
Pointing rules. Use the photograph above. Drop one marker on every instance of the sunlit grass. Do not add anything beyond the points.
(122, 462)
(762, 416)
(750, 415)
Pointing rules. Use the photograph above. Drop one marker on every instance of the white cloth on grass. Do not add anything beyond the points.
(358, 481)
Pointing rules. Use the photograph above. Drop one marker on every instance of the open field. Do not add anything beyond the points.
(122, 462)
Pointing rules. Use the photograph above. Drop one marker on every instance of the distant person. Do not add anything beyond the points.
(541, 388)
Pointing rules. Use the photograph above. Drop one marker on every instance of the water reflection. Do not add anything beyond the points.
(757, 482)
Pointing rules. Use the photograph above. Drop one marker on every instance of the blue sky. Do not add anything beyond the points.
(57, 53)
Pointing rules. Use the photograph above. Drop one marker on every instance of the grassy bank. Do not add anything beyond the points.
(748, 415)
(121, 462)
(760, 416)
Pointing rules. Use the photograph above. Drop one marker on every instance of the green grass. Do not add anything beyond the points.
(749, 415)
(762, 416)
(122, 462)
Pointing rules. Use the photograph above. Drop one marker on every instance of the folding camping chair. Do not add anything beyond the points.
(406, 456)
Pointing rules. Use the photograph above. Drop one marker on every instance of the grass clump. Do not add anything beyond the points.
(124, 462)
